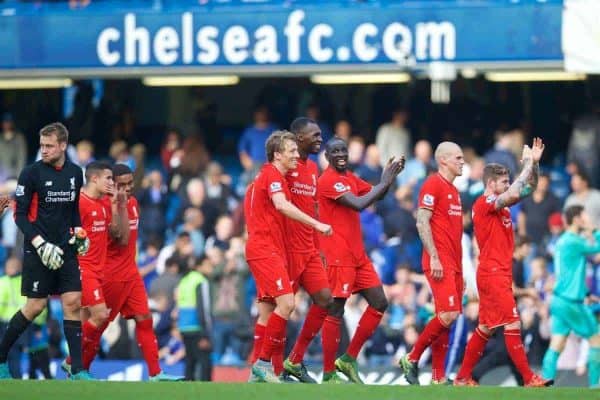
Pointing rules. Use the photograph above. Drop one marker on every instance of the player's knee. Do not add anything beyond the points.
(34, 307)
(142, 317)
(336, 308)
(513, 325)
(448, 317)
(594, 340)
(99, 317)
(380, 304)
(323, 298)
(286, 306)
(487, 331)
(557, 343)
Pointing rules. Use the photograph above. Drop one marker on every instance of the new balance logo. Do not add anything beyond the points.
(94, 213)
(48, 183)
(451, 301)
(345, 287)
(97, 294)
(279, 283)
(35, 286)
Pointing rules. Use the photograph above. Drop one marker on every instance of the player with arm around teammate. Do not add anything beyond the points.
(267, 208)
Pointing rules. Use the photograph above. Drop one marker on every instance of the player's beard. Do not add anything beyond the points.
(56, 160)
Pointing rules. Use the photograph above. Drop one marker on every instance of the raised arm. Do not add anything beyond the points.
(388, 177)
(527, 180)
(119, 224)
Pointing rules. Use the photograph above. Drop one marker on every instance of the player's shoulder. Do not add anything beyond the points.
(34, 168)
(485, 199)
(70, 166)
(132, 201)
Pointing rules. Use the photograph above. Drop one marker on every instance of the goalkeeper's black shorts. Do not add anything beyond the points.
(38, 281)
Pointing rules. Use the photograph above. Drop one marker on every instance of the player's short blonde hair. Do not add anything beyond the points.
(57, 129)
(276, 143)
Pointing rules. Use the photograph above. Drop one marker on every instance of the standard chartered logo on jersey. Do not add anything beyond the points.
(133, 43)
(59, 196)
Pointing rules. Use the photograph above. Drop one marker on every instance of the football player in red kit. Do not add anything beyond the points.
(342, 195)
(440, 226)
(495, 236)
(266, 206)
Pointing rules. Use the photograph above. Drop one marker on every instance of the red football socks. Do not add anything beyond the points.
(274, 336)
(516, 351)
(432, 331)
(366, 327)
(331, 340)
(147, 342)
(473, 353)
(439, 349)
(90, 343)
(259, 336)
(277, 357)
(312, 324)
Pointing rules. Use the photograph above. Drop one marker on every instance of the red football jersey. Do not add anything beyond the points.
(345, 247)
(302, 183)
(95, 219)
(442, 198)
(266, 225)
(120, 262)
(495, 237)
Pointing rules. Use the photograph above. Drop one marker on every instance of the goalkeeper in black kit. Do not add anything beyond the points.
(47, 213)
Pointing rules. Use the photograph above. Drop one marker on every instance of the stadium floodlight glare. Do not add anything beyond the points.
(206, 80)
(468, 73)
(35, 83)
(341, 79)
(534, 76)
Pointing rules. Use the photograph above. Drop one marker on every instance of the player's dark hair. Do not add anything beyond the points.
(493, 171)
(299, 125)
(121, 169)
(58, 129)
(276, 143)
(95, 168)
(572, 212)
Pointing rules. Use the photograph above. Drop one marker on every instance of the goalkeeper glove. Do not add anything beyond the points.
(50, 254)
(80, 241)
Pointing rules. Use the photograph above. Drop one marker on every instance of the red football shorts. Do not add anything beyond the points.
(447, 292)
(306, 270)
(271, 276)
(128, 298)
(497, 306)
(344, 281)
(91, 289)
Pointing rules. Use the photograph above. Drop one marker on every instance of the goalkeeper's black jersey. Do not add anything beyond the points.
(48, 202)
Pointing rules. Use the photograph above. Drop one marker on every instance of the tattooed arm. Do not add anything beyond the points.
(527, 180)
(424, 229)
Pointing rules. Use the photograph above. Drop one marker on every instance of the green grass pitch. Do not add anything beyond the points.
(67, 390)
